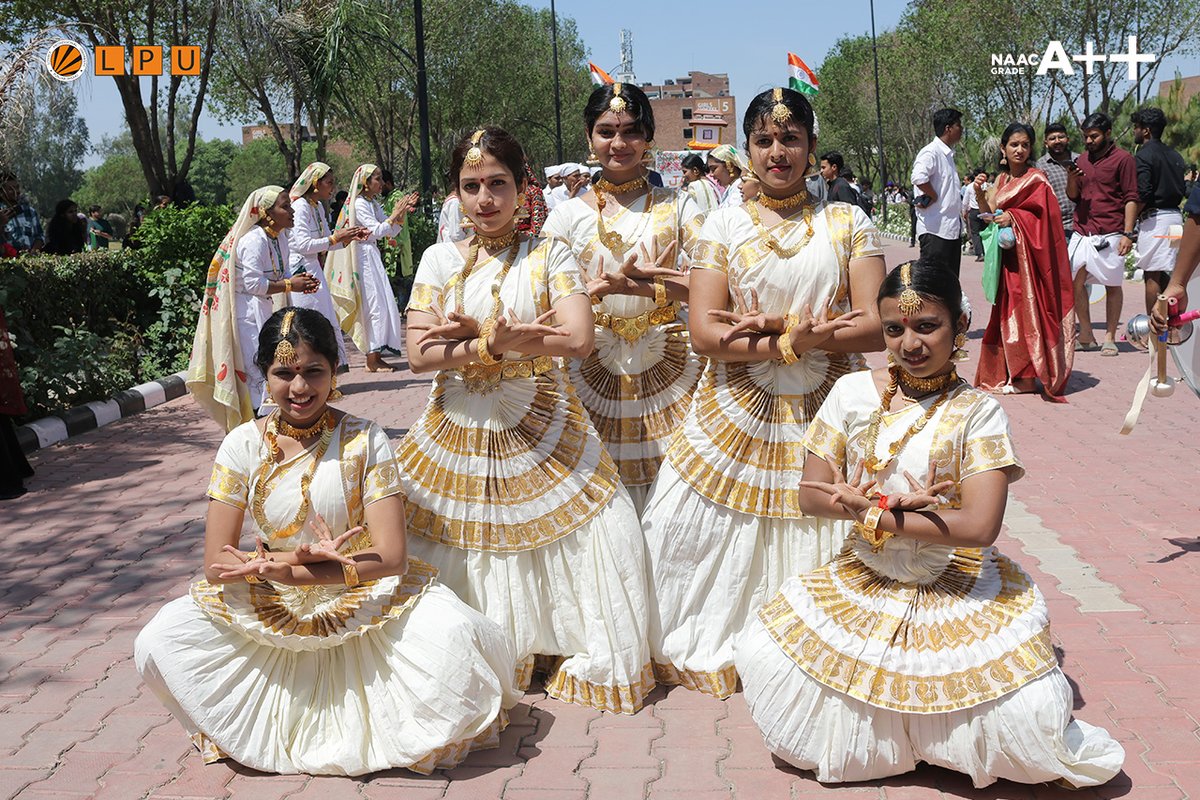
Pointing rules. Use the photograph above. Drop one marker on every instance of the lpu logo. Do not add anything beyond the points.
(67, 61)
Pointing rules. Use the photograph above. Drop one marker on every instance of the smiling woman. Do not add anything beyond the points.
(782, 303)
(325, 649)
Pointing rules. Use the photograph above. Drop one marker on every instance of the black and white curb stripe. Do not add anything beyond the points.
(81, 419)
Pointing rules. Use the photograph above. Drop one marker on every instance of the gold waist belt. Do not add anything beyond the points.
(633, 328)
(485, 378)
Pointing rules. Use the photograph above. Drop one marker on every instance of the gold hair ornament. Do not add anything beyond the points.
(910, 302)
(617, 105)
(285, 354)
(780, 113)
(474, 155)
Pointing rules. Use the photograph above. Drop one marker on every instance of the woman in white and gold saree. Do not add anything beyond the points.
(247, 280)
(722, 523)
(362, 292)
(638, 382)
(310, 240)
(325, 649)
(920, 642)
(510, 493)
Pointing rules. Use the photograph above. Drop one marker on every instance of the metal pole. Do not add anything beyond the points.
(879, 120)
(1138, 31)
(423, 109)
(557, 99)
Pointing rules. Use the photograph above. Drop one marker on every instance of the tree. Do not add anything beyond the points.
(210, 170)
(47, 156)
(256, 164)
(116, 184)
(145, 22)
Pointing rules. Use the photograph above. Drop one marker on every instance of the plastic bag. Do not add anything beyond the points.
(991, 261)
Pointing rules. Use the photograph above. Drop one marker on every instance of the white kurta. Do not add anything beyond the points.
(723, 523)
(326, 680)
(307, 240)
(512, 496)
(450, 219)
(381, 315)
(638, 382)
(919, 652)
(261, 259)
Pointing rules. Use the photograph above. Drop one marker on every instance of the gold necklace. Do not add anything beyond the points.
(927, 385)
(263, 487)
(472, 257)
(287, 429)
(772, 243)
(497, 242)
(615, 243)
(605, 185)
(872, 463)
(779, 203)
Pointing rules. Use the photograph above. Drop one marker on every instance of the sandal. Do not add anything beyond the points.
(1109, 349)
(1086, 347)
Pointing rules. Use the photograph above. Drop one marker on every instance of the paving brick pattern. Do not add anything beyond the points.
(114, 525)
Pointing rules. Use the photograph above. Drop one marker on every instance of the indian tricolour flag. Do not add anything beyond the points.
(599, 76)
(800, 77)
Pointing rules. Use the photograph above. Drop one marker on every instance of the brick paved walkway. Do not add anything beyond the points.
(113, 528)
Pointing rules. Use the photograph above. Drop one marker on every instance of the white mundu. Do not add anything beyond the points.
(916, 652)
(723, 523)
(512, 496)
(638, 382)
(325, 680)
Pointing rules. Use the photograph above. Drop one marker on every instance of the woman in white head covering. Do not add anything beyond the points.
(310, 239)
(247, 280)
(362, 293)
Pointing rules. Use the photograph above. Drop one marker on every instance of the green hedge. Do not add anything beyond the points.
(87, 326)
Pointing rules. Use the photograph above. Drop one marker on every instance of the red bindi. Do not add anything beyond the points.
(904, 320)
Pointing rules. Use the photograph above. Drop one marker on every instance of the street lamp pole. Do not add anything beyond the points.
(557, 99)
(879, 120)
(423, 108)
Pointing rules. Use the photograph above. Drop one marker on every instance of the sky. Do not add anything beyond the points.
(751, 47)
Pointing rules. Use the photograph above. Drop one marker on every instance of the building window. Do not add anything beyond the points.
(687, 113)
(687, 134)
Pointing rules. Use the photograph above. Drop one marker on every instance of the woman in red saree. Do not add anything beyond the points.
(1030, 334)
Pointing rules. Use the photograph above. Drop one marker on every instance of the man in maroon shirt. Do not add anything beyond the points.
(1103, 185)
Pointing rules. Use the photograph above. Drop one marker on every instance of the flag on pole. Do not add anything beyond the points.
(800, 77)
(599, 76)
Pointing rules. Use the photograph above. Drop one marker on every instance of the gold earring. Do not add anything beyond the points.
(592, 159)
(335, 393)
(891, 359)
(812, 160)
(960, 347)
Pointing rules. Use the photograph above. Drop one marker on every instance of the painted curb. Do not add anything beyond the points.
(81, 419)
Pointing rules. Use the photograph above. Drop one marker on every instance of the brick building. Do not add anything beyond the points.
(680, 103)
(252, 132)
(1190, 88)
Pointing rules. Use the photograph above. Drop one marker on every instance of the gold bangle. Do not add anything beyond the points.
(253, 579)
(332, 240)
(786, 354)
(660, 291)
(869, 529)
(287, 284)
(481, 344)
(350, 575)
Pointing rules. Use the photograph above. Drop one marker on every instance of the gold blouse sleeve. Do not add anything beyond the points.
(381, 478)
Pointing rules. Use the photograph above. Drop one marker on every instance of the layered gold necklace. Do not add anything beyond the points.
(615, 243)
(872, 462)
(774, 244)
(262, 484)
(780, 203)
(514, 241)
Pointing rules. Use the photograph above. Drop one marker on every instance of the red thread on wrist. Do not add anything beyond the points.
(883, 502)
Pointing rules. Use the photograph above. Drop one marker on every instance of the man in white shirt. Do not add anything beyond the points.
(936, 193)
(975, 225)
(558, 191)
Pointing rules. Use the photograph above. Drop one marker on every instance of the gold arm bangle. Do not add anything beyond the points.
(660, 291)
(332, 240)
(481, 344)
(350, 575)
(287, 284)
(253, 579)
(786, 354)
(869, 529)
